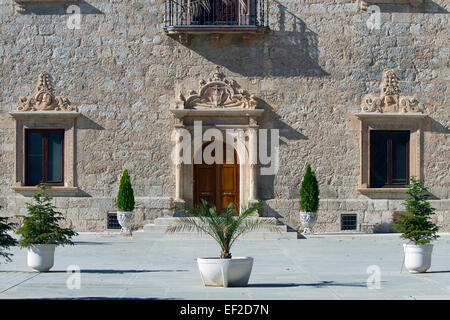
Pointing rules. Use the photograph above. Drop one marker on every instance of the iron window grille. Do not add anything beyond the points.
(112, 223)
(348, 222)
(216, 13)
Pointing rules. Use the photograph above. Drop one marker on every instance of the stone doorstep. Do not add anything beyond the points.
(248, 236)
(150, 227)
(166, 221)
(158, 228)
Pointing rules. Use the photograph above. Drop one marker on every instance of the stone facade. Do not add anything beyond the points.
(123, 74)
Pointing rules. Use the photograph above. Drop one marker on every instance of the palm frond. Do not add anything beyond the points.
(254, 224)
(224, 228)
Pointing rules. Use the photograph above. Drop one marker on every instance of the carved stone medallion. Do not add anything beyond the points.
(390, 99)
(217, 92)
(44, 99)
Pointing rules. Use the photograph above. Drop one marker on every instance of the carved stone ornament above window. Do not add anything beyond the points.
(44, 98)
(390, 100)
(217, 93)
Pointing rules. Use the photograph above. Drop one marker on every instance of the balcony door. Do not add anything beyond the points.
(217, 184)
(218, 12)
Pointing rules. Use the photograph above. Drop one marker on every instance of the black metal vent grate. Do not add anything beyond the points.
(112, 222)
(348, 222)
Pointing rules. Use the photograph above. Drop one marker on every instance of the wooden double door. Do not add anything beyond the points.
(217, 184)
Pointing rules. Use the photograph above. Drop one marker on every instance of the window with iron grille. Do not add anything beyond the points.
(348, 222)
(216, 12)
(113, 224)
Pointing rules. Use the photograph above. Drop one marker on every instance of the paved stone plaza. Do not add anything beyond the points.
(320, 267)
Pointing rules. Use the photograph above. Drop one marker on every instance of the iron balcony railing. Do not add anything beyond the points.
(216, 13)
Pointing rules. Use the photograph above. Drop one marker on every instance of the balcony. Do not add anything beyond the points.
(215, 17)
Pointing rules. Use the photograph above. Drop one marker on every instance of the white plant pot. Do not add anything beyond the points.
(125, 219)
(41, 257)
(234, 272)
(308, 219)
(418, 257)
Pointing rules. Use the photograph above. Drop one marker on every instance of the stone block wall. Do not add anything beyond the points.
(122, 72)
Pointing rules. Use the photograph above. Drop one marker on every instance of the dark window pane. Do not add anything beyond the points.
(348, 222)
(400, 157)
(378, 163)
(34, 158)
(54, 156)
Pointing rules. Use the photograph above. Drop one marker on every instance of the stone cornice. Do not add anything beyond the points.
(53, 115)
(181, 113)
(53, 189)
(364, 4)
(390, 115)
(381, 190)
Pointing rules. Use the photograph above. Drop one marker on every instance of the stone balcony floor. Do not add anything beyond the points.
(319, 267)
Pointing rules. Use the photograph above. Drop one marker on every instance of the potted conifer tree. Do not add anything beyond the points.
(225, 228)
(125, 204)
(309, 200)
(416, 226)
(40, 231)
(6, 240)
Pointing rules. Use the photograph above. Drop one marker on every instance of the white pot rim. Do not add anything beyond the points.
(37, 245)
(412, 245)
(214, 259)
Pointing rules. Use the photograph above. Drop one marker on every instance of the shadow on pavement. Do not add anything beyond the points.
(318, 284)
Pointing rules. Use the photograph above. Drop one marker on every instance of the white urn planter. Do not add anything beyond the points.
(308, 219)
(125, 219)
(234, 272)
(41, 257)
(418, 257)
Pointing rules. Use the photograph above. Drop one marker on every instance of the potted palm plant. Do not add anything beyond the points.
(309, 200)
(6, 240)
(40, 231)
(416, 226)
(225, 228)
(125, 204)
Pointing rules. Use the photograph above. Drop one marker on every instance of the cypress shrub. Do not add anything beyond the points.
(41, 224)
(6, 240)
(309, 191)
(416, 225)
(125, 197)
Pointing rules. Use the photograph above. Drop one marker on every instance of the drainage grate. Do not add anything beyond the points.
(112, 222)
(348, 222)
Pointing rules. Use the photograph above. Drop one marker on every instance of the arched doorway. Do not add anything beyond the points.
(217, 183)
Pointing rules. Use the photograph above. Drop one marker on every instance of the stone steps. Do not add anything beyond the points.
(157, 230)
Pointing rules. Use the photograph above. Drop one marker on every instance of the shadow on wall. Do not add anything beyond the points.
(280, 53)
(427, 7)
(58, 8)
(272, 120)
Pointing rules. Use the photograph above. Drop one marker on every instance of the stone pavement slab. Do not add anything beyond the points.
(141, 267)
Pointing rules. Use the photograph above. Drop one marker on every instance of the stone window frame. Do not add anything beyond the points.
(390, 122)
(45, 120)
